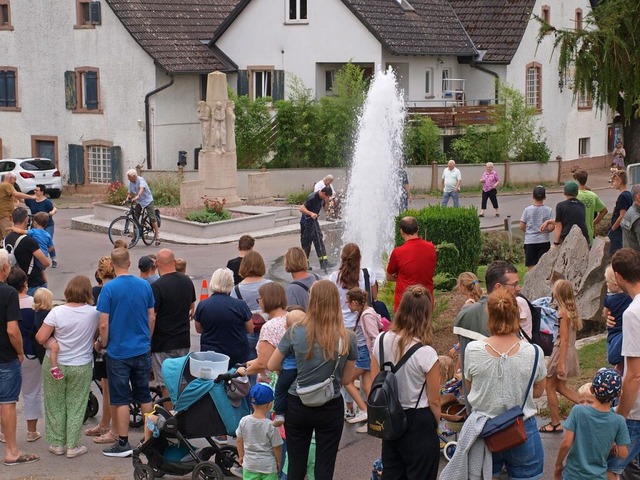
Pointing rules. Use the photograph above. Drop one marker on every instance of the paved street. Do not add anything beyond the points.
(78, 252)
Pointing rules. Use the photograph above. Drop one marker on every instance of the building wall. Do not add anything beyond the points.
(43, 45)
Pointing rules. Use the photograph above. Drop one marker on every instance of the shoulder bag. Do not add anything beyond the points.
(320, 393)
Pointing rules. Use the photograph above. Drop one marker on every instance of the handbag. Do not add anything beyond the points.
(506, 431)
(320, 393)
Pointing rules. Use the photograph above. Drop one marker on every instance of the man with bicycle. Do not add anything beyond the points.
(140, 193)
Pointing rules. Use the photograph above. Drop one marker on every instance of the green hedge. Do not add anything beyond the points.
(456, 234)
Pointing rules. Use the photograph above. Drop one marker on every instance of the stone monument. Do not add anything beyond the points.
(217, 162)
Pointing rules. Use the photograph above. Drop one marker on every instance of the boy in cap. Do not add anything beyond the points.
(258, 441)
(536, 240)
(591, 431)
(147, 266)
(569, 212)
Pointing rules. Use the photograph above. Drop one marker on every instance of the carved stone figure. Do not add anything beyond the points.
(231, 127)
(204, 115)
(219, 128)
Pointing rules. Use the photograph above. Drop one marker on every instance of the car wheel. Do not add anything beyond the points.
(54, 193)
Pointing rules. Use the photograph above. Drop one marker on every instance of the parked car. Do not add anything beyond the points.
(32, 172)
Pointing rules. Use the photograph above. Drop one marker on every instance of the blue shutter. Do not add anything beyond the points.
(116, 164)
(243, 82)
(3, 88)
(11, 88)
(70, 97)
(278, 85)
(76, 164)
(95, 13)
(91, 90)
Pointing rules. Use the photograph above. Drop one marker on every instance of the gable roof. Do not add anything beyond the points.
(176, 33)
(432, 28)
(495, 26)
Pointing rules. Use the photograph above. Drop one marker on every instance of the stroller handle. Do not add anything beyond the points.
(162, 401)
(223, 377)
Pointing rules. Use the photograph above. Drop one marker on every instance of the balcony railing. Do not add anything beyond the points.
(454, 116)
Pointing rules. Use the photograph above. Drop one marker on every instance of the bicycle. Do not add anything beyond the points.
(130, 228)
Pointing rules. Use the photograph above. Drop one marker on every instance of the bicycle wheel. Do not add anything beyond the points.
(148, 233)
(126, 229)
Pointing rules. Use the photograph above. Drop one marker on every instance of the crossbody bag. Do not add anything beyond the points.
(320, 393)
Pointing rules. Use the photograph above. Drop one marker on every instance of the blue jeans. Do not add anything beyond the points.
(447, 195)
(617, 465)
(50, 229)
(10, 381)
(32, 290)
(136, 370)
(525, 461)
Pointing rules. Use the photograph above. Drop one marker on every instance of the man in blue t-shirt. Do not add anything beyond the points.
(310, 231)
(127, 317)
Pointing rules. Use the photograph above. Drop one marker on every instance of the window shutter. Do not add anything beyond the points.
(11, 88)
(91, 90)
(116, 164)
(76, 164)
(3, 88)
(278, 85)
(70, 97)
(95, 13)
(243, 82)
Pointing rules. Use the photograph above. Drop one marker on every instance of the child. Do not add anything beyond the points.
(42, 304)
(287, 375)
(469, 286)
(258, 441)
(586, 395)
(563, 362)
(588, 458)
(536, 239)
(119, 243)
(181, 265)
(367, 328)
(38, 233)
(617, 302)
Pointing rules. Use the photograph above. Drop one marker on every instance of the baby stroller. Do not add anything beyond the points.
(203, 408)
(455, 413)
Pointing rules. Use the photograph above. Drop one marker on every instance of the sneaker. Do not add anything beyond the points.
(76, 452)
(54, 263)
(116, 450)
(56, 450)
(221, 440)
(360, 417)
(348, 414)
(278, 420)
(362, 429)
(236, 471)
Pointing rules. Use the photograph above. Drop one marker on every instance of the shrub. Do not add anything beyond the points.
(297, 198)
(253, 130)
(204, 216)
(165, 190)
(213, 205)
(422, 142)
(456, 234)
(116, 193)
(496, 246)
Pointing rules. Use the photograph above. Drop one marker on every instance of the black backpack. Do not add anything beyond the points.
(385, 414)
(543, 339)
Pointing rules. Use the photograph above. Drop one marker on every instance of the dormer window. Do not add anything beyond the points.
(296, 11)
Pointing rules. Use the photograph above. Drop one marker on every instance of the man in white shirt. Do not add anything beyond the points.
(626, 266)
(451, 179)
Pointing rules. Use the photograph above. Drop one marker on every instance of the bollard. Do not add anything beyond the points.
(507, 227)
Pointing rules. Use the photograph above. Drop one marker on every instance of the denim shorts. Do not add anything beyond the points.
(525, 461)
(364, 359)
(10, 381)
(121, 372)
(617, 465)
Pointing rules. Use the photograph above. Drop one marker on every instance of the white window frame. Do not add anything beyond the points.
(584, 146)
(533, 86)
(297, 18)
(445, 75)
(262, 71)
(428, 83)
(99, 164)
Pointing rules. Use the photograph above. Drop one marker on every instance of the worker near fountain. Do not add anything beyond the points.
(310, 228)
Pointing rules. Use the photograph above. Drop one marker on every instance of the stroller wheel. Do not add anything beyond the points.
(136, 419)
(449, 450)
(227, 458)
(143, 472)
(207, 471)
(92, 406)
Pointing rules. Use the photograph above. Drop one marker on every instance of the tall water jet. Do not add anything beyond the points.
(374, 186)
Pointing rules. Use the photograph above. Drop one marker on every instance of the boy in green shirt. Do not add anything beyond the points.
(592, 203)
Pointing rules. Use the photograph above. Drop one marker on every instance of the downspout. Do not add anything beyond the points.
(147, 130)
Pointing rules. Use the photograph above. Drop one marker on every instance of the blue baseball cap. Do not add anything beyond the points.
(607, 384)
(261, 394)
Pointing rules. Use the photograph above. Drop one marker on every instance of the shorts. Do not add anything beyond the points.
(617, 465)
(157, 358)
(10, 381)
(136, 370)
(247, 475)
(151, 211)
(533, 252)
(525, 461)
(364, 359)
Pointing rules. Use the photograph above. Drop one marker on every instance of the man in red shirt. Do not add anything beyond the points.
(411, 263)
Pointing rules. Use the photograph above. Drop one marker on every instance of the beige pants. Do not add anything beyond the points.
(5, 227)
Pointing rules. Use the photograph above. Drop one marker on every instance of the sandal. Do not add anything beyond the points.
(96, 431)
(554, 428)
(481, 215)
(33, 436)
(22, 459)
(105, 438)
(157, 243)
(56, 373)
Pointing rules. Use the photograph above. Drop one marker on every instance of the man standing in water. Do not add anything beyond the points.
(310, 231)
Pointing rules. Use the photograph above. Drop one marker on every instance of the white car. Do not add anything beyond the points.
(32, 172)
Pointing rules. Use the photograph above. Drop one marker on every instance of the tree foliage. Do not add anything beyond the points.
(253, 130)
(422, 142)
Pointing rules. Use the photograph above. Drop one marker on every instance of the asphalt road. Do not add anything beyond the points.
(78, 253)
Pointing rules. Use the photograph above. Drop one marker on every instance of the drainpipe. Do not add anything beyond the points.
(147, 130)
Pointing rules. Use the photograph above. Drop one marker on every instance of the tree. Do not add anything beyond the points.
(603, 60)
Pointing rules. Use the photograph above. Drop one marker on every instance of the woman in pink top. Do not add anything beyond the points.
(489, 181)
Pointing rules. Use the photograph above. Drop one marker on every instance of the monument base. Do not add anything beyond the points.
(217, 178)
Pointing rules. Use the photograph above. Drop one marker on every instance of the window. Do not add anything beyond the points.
(533, 90)
(9, 89)
(583, 146)
(296, 11)
(88, 14)
(99, 162)
(428, 83)
(329, 77)
(82, 90)
(261, 82)
(579, 19)
(5, 15)
(584, 101)
(546, 13)
(446, 75)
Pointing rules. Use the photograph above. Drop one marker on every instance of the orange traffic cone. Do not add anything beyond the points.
(204, 291)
